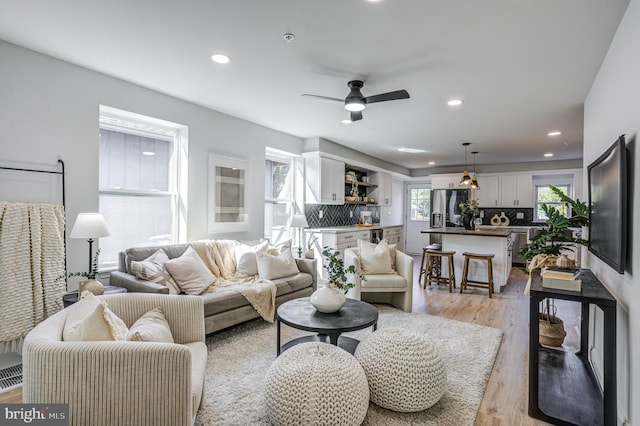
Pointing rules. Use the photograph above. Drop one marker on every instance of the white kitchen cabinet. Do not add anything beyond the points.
(488, 194)
(382, 194)
(516, 191)
(394, 235)
(340, 241)
(324, 180)
(508, 191)
(446, 182)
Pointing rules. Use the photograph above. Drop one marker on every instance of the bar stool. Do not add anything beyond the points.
(423, 266)
(434, 269)
(465, 271)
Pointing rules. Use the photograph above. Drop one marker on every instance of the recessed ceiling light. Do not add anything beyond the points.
(556, 133)
(548, 154)
(455, 102)
(411, 150)
(148, 153)
(431, 163)
(220, 58)
(346, 121)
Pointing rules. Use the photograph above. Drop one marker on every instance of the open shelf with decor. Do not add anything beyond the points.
(357, 188)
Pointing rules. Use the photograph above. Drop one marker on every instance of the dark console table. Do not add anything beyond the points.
(72, 297)
(562, 387)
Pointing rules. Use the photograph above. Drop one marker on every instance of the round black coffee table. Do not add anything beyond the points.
(300, 314)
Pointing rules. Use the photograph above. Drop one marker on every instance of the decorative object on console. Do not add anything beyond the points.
(90, 284)
(299, 221)
(466, 179)
(310, 253)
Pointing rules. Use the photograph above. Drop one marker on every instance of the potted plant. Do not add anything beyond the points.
(545, 249)
(331, 297)
(90, 284)
(469, 209)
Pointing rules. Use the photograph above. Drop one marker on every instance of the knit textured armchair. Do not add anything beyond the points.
(122, 383)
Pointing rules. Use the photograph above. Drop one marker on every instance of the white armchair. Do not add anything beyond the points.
(121, 383)
(396, 290)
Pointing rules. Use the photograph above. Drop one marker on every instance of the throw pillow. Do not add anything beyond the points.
(152, 269)
(392, 250)
(277, 249)
(151, 327)
(375, 259)
(246, 262)
(91, 320)
(190, 272)
(272, 267)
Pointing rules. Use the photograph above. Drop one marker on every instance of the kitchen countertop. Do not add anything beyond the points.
(349, 228)
(461, 231)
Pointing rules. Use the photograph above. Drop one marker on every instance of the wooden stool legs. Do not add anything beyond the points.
(434, 269)
(465, 272)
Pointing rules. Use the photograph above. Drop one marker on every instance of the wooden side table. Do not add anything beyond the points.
(72, 297)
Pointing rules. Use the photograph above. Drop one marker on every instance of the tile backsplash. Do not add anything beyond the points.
(512, 214)
(332, 215)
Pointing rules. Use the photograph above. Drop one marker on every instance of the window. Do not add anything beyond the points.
(420, 204)
(142, 182)
(279, 195)
(544, 195)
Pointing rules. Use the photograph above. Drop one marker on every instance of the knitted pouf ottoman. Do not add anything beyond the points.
(316, 384)
(404, 370)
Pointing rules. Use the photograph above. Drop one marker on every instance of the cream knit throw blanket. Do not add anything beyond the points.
(31, 264)
(220, 258)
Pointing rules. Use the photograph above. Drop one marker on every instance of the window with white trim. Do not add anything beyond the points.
(544, 195)
(279, 198)
(420, 204)
(142, 182)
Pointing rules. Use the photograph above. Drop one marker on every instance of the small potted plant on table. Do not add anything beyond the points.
(331, 296)
(469, 209)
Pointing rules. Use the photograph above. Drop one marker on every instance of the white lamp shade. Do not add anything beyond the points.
(299, 221)
(90, 225)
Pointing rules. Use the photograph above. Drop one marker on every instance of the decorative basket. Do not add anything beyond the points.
(551, 328)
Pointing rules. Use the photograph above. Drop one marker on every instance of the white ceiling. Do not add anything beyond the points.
(523, 67)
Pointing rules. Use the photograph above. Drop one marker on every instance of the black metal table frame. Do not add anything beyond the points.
(334, 335)
(604, 301)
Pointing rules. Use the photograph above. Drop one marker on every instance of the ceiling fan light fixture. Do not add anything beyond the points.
(354, 105)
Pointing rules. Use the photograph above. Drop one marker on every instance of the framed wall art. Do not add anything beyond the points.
(228, 194)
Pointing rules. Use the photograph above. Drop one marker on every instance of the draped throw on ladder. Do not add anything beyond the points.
(32, 270)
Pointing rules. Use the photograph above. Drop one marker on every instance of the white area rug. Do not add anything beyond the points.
(239, 359)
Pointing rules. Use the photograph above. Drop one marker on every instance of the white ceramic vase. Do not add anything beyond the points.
(93, 286)
(309, 254)
(328, 299)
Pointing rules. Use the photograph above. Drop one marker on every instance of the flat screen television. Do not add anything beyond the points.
(608, 206)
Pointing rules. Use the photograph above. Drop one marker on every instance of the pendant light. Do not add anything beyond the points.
(466, 179)
(474, 181)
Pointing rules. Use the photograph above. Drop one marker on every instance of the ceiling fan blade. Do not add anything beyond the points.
(323, 97)
(356, 115)
(389, 96)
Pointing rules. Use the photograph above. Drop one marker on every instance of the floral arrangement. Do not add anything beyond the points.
(312, 239)
(470, 207)
(337, 272)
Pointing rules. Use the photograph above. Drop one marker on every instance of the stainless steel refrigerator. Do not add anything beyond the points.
(446, 202)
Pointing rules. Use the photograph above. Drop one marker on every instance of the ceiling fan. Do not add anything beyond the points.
(355, 101)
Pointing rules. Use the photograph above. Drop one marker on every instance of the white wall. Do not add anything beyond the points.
(49, 109)
(612, 109)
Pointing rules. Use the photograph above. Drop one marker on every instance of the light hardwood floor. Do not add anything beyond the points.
(505, 400)
(506, 397)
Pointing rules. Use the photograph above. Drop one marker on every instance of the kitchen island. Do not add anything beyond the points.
(498, 242)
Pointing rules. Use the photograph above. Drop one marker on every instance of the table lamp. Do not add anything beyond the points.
(90, 226)
(299, 221)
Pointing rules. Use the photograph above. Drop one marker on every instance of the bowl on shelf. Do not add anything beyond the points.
(351, 199)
